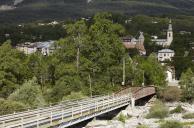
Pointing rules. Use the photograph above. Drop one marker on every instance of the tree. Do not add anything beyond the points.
(29, 94)
(9, 107)
(38, 67)
(105, 49)
(78, 32)
(187, 85)
(64, 86)
(12, 69)
(150, 70)
(100, 54)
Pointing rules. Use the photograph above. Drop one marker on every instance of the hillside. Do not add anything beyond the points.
(30, 10)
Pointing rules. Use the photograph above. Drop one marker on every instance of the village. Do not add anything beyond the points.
(164, 55)
(96, 64)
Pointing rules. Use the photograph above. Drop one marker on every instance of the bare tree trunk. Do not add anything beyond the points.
(78, 58)
(123, 83)
(90, 81)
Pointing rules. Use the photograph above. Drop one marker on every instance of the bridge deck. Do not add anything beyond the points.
(72, 112)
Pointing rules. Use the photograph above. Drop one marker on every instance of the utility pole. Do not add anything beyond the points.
(143, 79)
(78, 54)
(123, 83)
(90, 82)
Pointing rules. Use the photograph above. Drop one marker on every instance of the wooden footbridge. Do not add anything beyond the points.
(69, 113)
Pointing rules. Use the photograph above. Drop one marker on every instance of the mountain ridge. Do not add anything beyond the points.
(30, 10)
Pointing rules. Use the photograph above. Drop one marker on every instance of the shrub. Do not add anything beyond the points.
(158, 110)
(122, 118)
(142, 126)
(171, 124)
(8, 107)
(29, 94)
(188, 116)
(188, 124)
(170, 94)
(178, 109)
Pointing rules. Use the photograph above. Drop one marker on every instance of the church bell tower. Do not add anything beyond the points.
(169, 34)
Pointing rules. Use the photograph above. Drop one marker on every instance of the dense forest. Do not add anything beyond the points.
(33, 10)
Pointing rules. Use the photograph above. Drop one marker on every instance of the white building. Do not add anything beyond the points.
(165, 42)
(170, 77)
(27, 48)
(46, 48)
(165, 55)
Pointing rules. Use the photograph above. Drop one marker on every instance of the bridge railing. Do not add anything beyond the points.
(51, 106)
(68, 113)
(65, 113)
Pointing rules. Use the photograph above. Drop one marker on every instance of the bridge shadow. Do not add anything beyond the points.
(144, 101)
(112, 114)
(106, 116)
(142, 94)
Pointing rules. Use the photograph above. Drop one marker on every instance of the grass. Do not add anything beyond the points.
(188, 123)
(178, 109)
(158, 110)
(171, 124)
(123, 118)
(188, 116)
(142, 126)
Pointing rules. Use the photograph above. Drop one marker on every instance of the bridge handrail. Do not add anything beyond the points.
(69, 112)
(104, 102)
(45, 109)
(50, 105)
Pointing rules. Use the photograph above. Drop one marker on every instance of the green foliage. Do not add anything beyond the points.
(38, 67)
(29, 94)
(170, 94)
(187, 85)
(8, 106)
(74, 96)
(64, 86)
(171, 124)
(188, 116)
(122, 118)
(142, 126)
(91, 53)
(12, 71)
(153, 72)
(188, 124)
(129, 7)
(158, 110)
(178, 109)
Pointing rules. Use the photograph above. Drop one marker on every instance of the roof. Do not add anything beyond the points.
(46, 44)
(129, 37)
(166, 51)
(159, 40)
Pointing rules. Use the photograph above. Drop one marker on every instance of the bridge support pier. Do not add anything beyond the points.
(132, 103)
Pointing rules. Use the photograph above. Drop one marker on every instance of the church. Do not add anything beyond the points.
(131, 42)
(165, 42)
